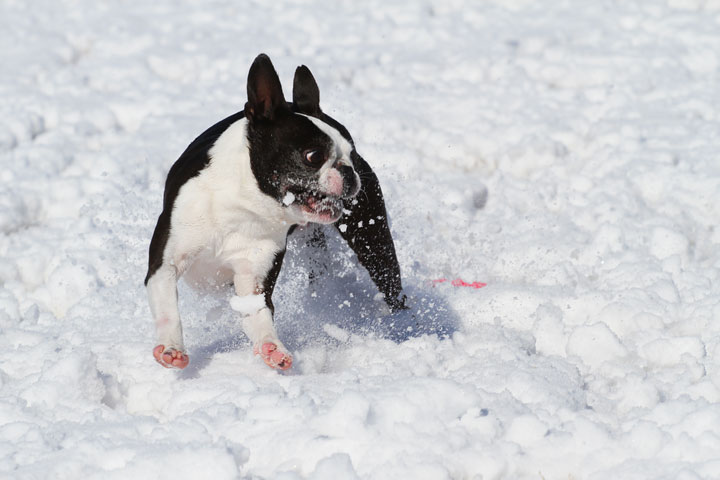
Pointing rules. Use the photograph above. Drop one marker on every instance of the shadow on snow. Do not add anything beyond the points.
(323, 296)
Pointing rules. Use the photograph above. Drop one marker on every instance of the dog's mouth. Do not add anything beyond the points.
(316, 206)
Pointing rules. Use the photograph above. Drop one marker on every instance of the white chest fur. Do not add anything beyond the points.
(221, 217)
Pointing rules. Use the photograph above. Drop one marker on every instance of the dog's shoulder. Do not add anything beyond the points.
(194, 159)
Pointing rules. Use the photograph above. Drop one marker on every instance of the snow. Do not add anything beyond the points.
(247, 305)
(288, 199)
(564, 154)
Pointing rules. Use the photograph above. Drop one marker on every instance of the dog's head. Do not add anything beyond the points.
(297, 158)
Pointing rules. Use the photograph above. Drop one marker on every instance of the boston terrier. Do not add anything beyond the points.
(240, 189)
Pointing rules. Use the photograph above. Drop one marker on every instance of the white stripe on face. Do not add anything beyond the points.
(330, 179)
(342, 146)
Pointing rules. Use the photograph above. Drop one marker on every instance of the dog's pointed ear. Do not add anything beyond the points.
(265, 95)
(306, 94)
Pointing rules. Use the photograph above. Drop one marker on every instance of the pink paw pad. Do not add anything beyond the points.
(273, 357)
(170, 357)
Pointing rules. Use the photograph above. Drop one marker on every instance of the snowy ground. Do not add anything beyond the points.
(566, 153)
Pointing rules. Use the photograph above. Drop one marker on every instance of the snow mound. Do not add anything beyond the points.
(565, 156)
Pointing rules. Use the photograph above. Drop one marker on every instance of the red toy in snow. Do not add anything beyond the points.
(458, 282)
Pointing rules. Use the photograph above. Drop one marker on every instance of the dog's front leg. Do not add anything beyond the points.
(162, 293)
(256, 307)
(366, 230)
(260, 329)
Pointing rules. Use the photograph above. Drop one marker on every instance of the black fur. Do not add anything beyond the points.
(275, 145)
(271, 278)
(368, 234)
(265, 96)
(306, 94)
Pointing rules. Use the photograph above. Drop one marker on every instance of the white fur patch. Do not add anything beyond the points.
(215, 217)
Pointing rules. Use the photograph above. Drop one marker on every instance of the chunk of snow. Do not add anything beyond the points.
(288, 199)
(595, 344)
(248, 305)
(337, 465)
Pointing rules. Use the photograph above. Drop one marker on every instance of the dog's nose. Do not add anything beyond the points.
(349, 180)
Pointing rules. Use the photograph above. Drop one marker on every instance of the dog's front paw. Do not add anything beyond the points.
(398, 304)
(273, 356)
(170, 357)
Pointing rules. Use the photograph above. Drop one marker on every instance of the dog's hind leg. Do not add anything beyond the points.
(367, 232)
(162, 293)
(316, 260)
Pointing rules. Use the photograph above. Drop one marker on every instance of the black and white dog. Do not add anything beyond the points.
(239, 190)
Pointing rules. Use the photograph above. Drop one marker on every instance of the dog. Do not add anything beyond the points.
(239, 190)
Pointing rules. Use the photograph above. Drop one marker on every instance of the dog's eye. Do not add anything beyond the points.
(314, 158)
